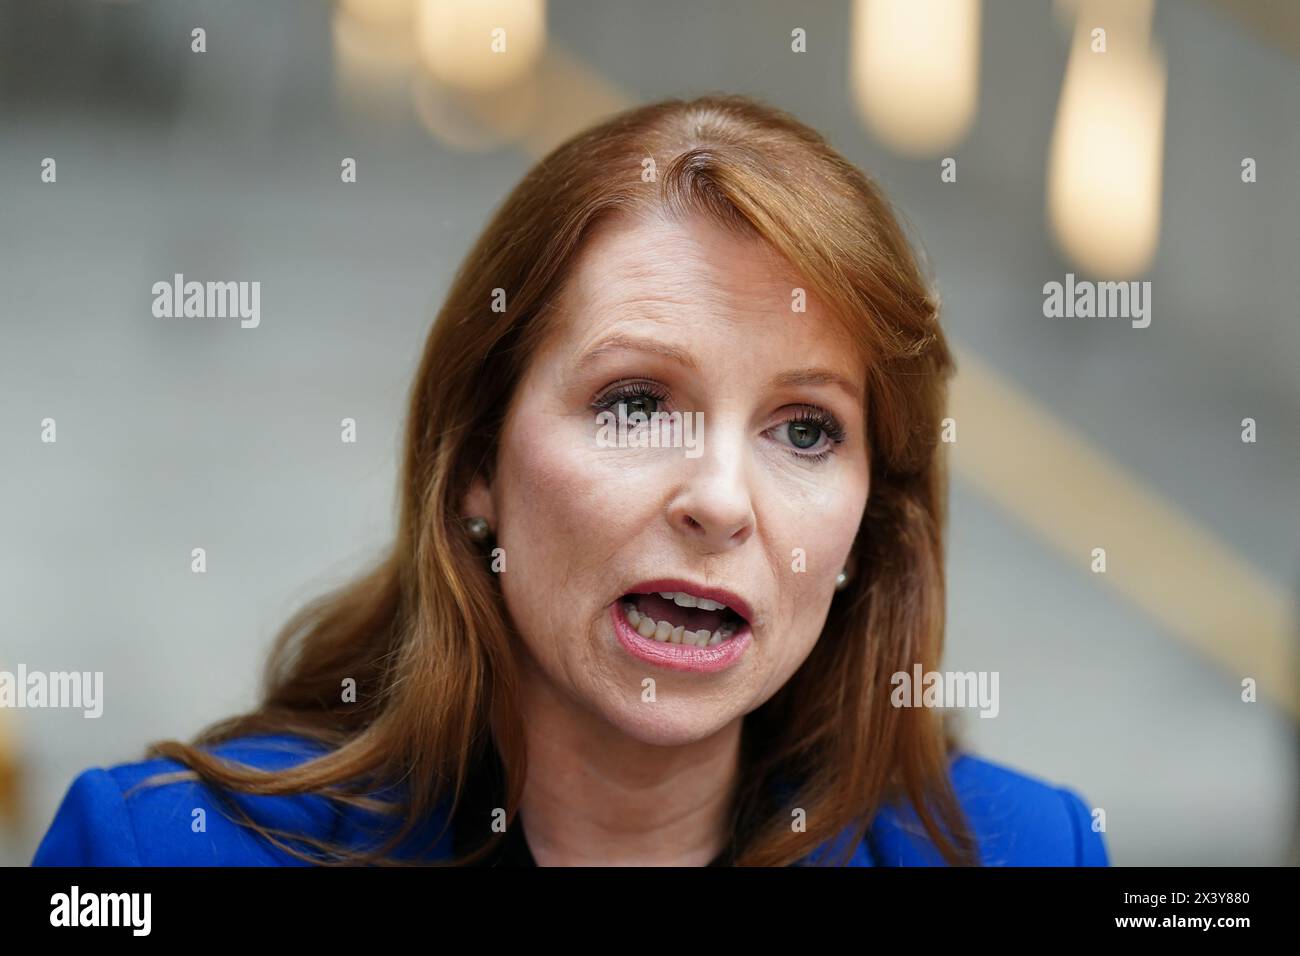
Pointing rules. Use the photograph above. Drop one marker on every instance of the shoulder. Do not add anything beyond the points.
(108, 818)
(1016, 820)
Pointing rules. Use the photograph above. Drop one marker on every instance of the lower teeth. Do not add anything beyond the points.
(665, 633)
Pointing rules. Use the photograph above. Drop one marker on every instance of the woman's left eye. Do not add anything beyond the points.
(813, 433)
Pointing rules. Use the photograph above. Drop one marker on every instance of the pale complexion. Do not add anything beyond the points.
(612, 777)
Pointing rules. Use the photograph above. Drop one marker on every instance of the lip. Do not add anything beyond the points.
(721, 595)
(680, 657)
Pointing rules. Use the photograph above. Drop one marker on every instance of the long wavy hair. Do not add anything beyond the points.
(425, 635)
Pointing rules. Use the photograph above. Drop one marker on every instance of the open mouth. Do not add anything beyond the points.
(680, 618)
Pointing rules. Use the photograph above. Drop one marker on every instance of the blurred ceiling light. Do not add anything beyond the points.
(373, 58)
(380, 13)
(1104, 168)
(915, 70)
(475, 122)
(573, 97)
(559, 99)
(480, 44)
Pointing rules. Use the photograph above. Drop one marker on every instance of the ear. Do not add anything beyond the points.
(478, 502)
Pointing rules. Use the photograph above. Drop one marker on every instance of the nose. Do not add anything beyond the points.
(714, 508)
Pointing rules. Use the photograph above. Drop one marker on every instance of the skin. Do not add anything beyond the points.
(613, 778)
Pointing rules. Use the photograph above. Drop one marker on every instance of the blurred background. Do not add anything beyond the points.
(220, 155)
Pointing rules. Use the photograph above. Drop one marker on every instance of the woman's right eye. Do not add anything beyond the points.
(638, 398)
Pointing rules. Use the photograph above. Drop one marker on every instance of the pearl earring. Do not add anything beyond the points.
(841, 581)
(478, 528)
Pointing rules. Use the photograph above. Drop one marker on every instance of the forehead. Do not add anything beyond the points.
(694, 277)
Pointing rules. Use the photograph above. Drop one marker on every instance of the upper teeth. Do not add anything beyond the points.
(681, 599)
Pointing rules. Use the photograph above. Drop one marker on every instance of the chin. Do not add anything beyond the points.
(662, 723)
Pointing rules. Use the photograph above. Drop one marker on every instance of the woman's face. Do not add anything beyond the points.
(761, 499)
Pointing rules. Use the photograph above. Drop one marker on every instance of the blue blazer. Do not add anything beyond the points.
(1017, 820)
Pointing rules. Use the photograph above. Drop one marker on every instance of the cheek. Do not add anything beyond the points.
(817, 528)
(551, 496)
(816, 522)
(562, 520)
(564, 495)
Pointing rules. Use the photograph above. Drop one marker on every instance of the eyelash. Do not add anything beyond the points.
(810, 414)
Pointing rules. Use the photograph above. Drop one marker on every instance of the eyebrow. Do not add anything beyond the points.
(633, 343)
(815, 375)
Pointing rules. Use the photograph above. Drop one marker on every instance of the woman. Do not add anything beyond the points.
(672, 513)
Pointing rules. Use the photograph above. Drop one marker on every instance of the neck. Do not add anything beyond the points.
(595, 796)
